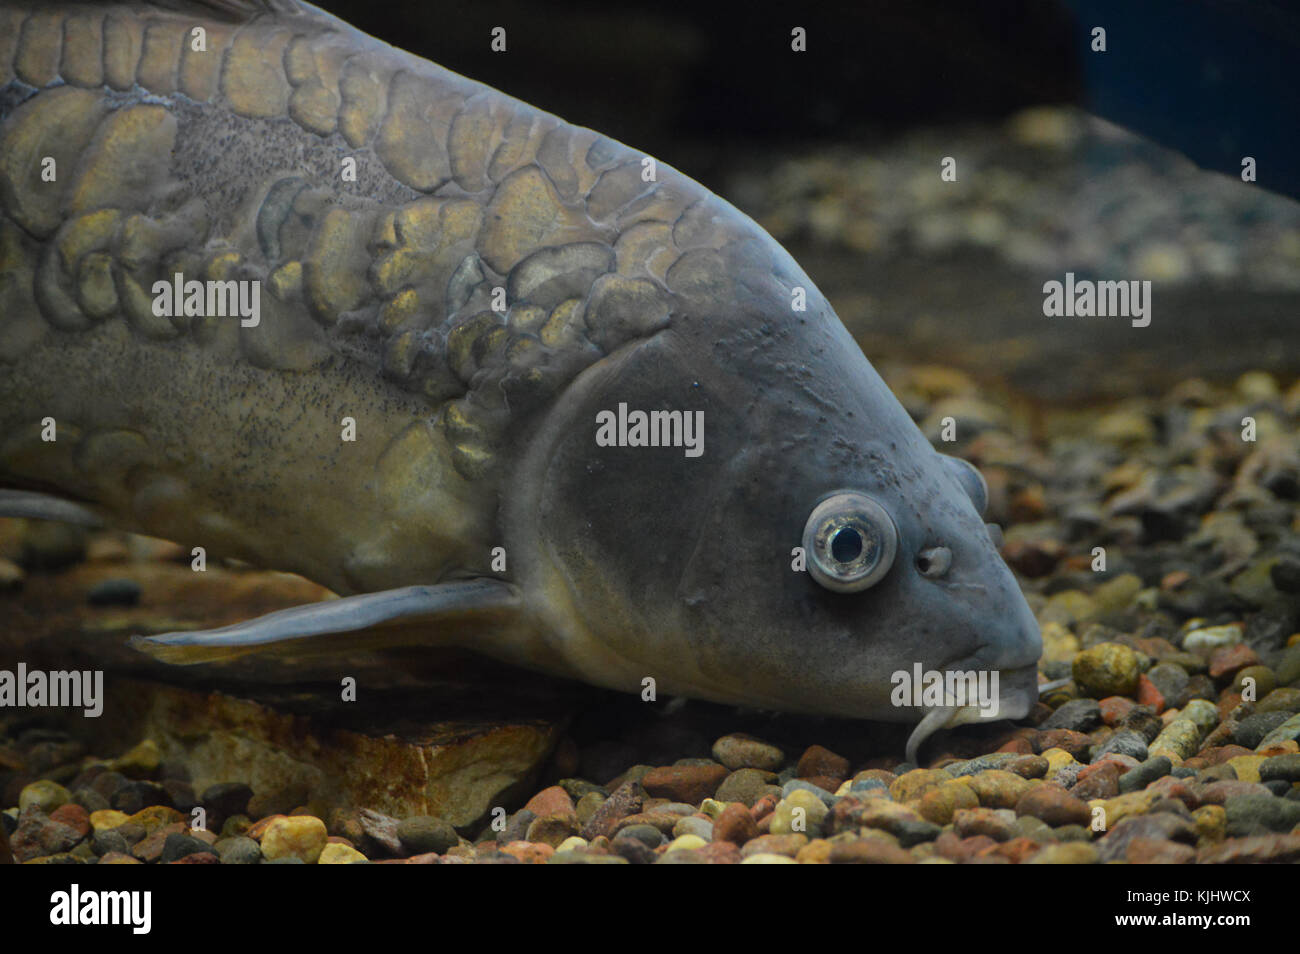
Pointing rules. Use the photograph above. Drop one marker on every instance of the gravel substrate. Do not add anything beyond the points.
(1174, 740)
(1054, 189)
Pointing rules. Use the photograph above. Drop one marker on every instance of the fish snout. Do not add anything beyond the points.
(1023, 645)
(1017, 692)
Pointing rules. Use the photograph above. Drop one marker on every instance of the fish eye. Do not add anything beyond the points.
(846, 545)
(851, 542)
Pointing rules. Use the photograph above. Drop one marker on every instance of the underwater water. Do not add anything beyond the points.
(1105, 329)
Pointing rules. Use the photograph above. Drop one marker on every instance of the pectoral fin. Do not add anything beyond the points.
(37, 506)
(441, 614)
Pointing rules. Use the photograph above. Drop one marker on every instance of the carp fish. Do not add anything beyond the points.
(274, 288)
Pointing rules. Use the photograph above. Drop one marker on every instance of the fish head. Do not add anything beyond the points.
(815, 546)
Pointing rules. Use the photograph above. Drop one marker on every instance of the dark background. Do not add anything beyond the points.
(1216, 79)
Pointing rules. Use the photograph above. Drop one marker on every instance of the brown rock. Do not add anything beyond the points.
(346, 823)
(738, 750)
(1098, 781)
(662, 820)
(280, 799)
(877, 775)
(380, 831)
(1039, 713)
(553, 829)
(1181, 789)
(156, 816)
(1014, 850)
(429, 858)
(1027, 766)
(1115, 708)
(1216, 793)
(997, 789)
(1076, 743)
(1223, 753)
(633, 774)
(765, 806)
(258, 828)
(1228, 704)
(850, 814)
(1020, 744)
(1028, 505)
(961, 850)
(528, 853)
(720, 853)
(550, 801)
(434, 768)
(816, 852)
(1148, 694)
(1157, 851)
(1156, 826)
(1065, 853)
(1033, 558)
(625, 800)
(133, 833)
(117, 858)
(735, 825)
(916, 783)
(820, 762)
(1260, 849)
(151, 848)
(38, 836)
(691, 784)
(787, 845)
(1055, 806)
(74, 816)
(869, 851)
(939, 804)
(1226, 660)
(969, 822)
(827, 783)
(1126, 763)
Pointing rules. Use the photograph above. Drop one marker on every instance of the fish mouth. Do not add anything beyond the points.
(1018, 691)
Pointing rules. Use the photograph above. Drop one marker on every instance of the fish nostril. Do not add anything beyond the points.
(934, 562)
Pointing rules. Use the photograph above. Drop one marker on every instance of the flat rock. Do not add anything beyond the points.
(456, 771)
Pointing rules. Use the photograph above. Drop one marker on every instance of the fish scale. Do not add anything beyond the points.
(489, 280)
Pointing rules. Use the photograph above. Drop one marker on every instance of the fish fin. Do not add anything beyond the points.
(438, 614)
(38, 506)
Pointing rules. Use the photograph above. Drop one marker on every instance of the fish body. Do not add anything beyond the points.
(303, 299)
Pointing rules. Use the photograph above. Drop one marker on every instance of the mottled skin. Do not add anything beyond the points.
(474, 427)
